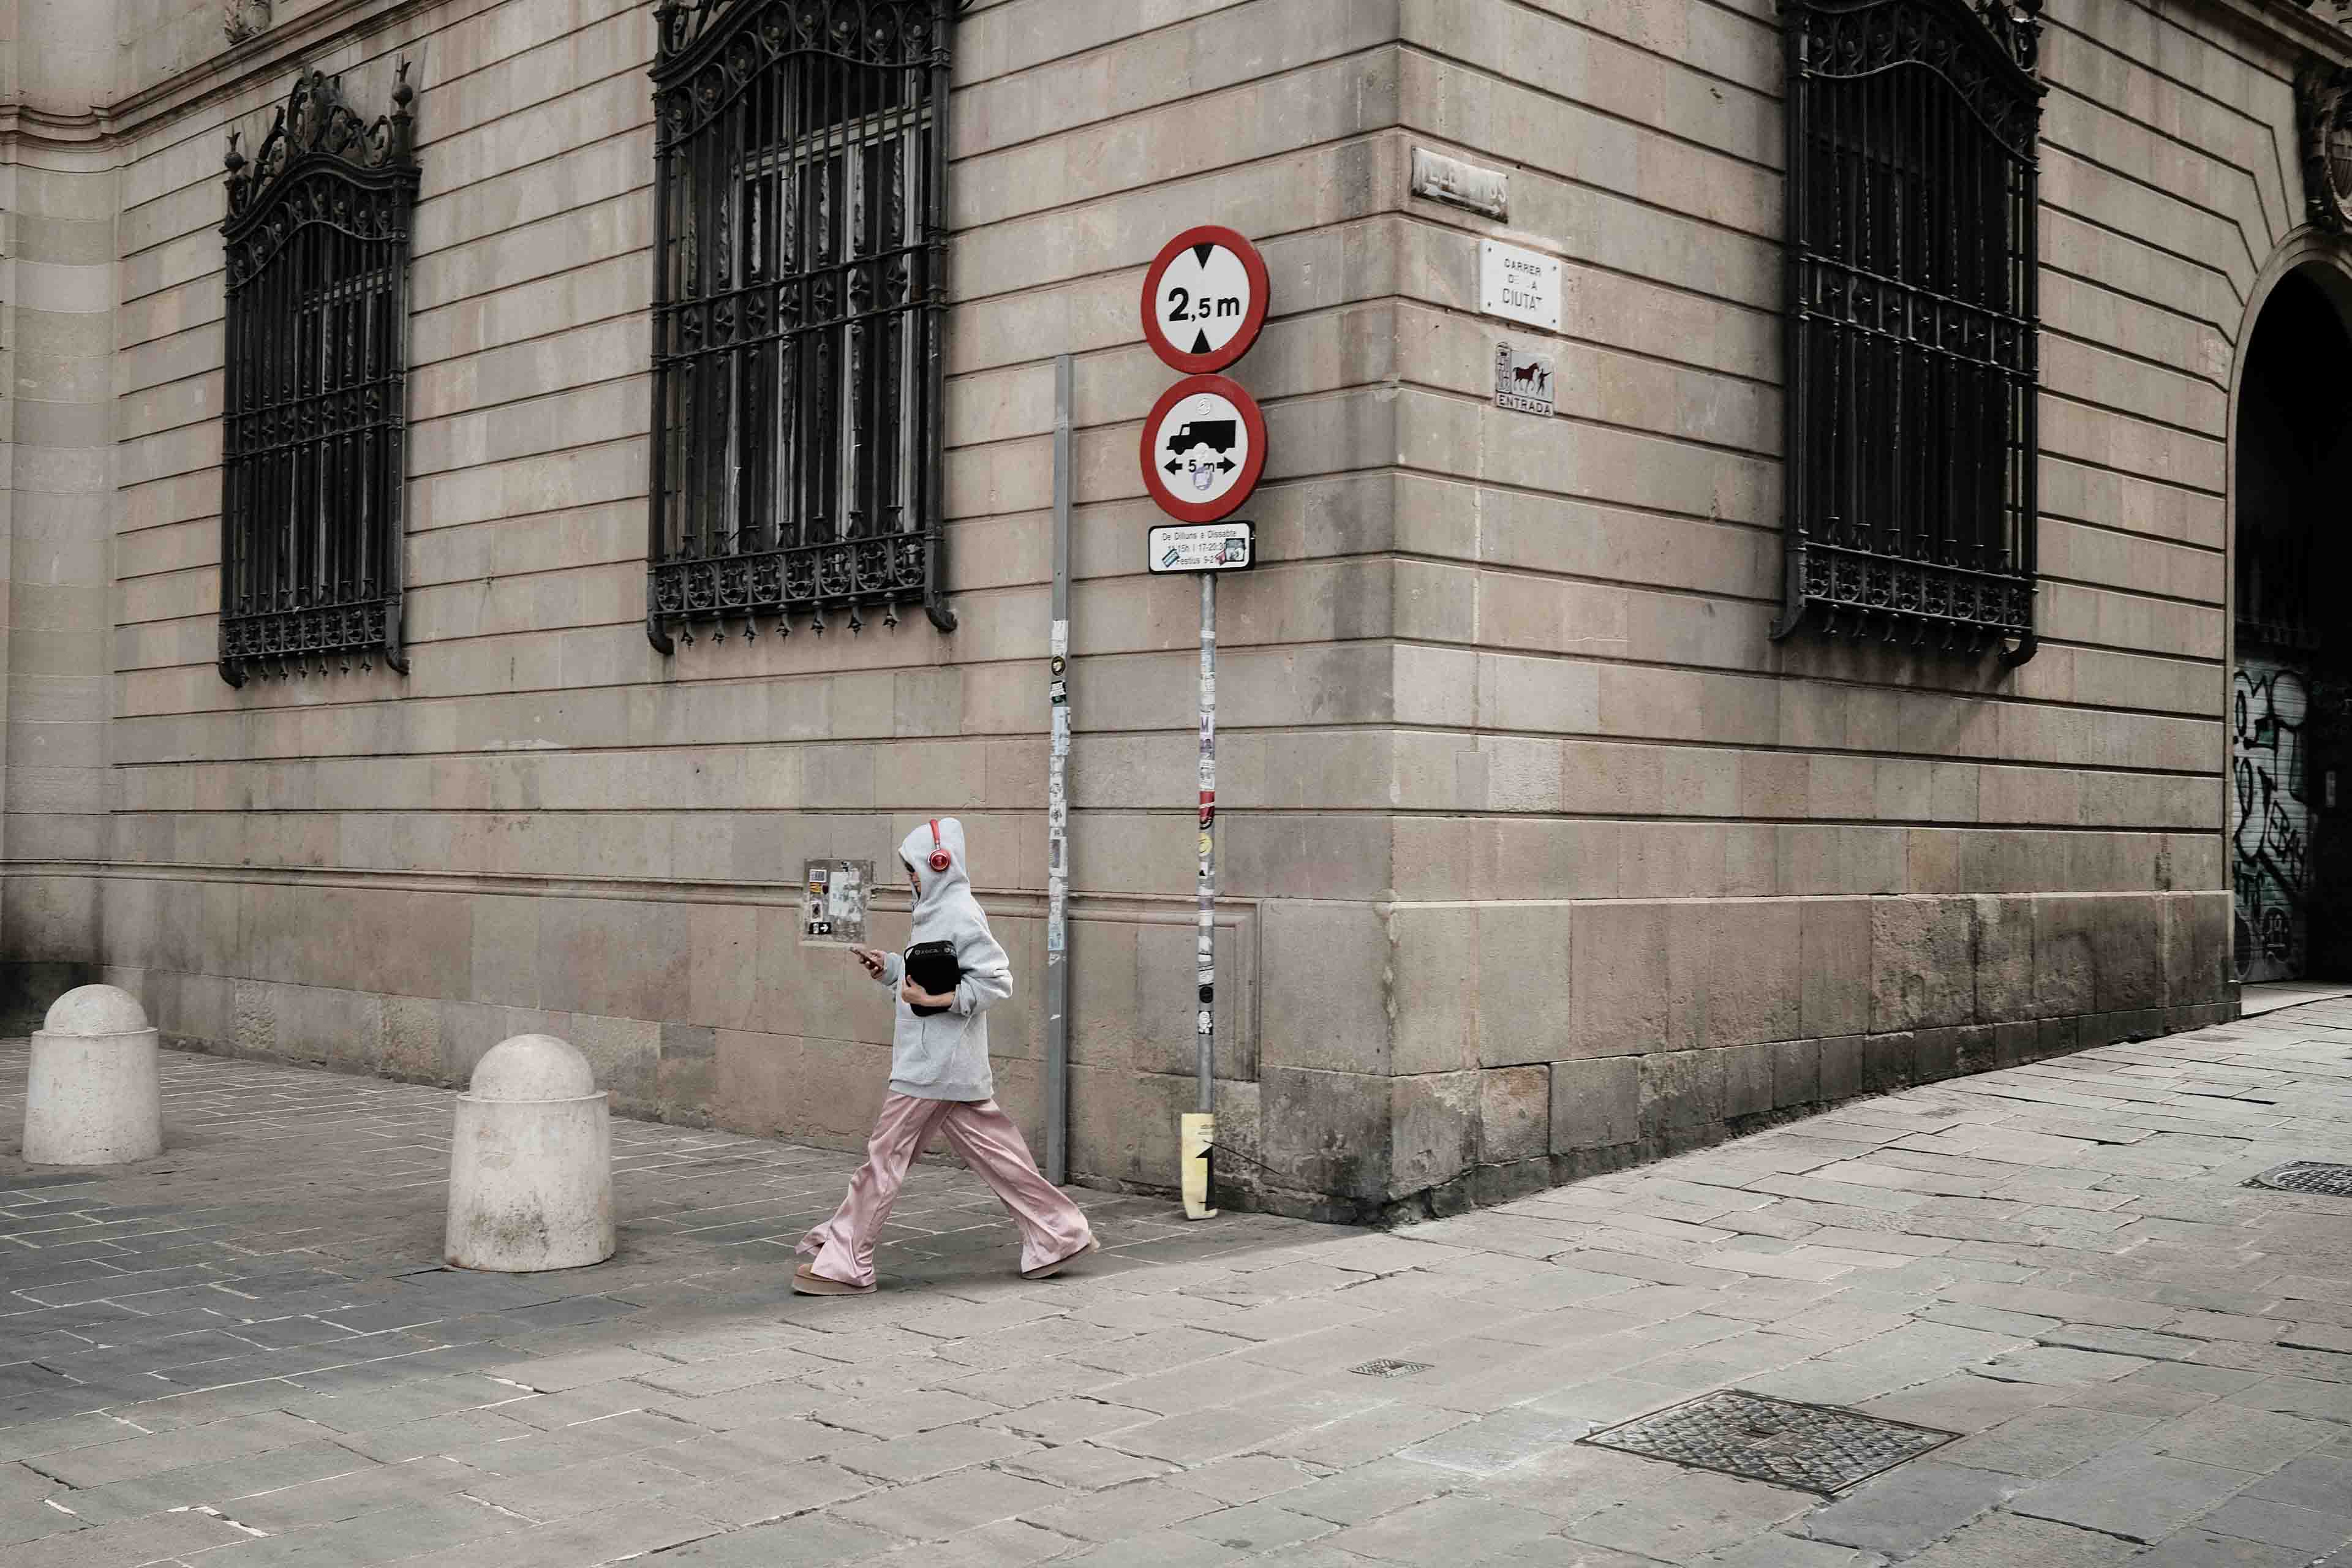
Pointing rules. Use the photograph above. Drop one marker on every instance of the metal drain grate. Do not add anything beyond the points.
(1814, 1447)
(2307, 1176)
(1386, 1368)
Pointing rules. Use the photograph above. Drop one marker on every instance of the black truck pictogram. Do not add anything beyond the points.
(1217, 435)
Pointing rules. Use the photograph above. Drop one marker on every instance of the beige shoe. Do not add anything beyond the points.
(1047, 1270)
(806, 1281)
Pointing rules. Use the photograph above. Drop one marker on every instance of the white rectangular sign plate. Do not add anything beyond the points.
(834, 902)
(1457, 184)
(1203, 547)
(1523, 380)
(1523, 285)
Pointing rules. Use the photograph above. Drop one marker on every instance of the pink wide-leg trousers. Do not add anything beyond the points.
(984, 1138)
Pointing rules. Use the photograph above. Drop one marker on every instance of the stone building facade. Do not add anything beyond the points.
(1539, 851)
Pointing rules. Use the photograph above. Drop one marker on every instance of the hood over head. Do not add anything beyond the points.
(939, 889)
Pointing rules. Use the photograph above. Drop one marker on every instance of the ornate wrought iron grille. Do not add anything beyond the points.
(315, 410)
(799, 294)
(2322, 101)
(1912, 320)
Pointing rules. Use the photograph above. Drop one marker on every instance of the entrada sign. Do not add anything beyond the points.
(1523, 381)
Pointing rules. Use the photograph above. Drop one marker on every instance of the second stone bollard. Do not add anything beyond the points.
(530, 1165)
(94, 1095)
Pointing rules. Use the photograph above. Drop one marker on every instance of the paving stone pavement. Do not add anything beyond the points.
(244, 1354)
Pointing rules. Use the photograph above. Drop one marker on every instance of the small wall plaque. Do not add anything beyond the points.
(1450, 180)
(1523, 285)
(1523, 381)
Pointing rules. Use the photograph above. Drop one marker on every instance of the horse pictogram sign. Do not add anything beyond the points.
(1523, 381)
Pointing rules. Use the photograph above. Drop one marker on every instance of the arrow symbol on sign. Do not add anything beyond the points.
(1199, 342)
(1228, 465)
(1175, 465)
(1202, 253)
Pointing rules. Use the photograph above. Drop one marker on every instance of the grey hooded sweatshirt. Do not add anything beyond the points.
(944, 1056)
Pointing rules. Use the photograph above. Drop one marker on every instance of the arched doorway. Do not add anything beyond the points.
(2291, 689)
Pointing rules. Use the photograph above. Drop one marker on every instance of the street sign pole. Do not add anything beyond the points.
(1057, 804)
(1197, 1132)
(1203, 447)
(1207, 1026)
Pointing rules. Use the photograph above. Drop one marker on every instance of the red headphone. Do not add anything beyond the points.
(940, 859)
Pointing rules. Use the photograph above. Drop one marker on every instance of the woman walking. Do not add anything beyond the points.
(940, 1082)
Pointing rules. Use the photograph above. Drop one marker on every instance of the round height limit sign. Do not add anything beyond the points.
(1205, 299)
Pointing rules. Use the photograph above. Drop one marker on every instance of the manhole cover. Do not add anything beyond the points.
(1385, 1368)
(1811, 1446)
(2307, 1176)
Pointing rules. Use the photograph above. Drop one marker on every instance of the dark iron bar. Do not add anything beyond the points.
(316, 387)
(1910, 491)
(796, 377)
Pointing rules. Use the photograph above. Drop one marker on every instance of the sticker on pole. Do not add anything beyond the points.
(1203, 547)
(1204, 449)
(832, 914)
(1204, 299)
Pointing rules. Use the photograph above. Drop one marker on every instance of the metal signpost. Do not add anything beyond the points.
(1203, 448)
(1057, 805)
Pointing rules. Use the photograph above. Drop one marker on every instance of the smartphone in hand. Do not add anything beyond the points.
(871, 958)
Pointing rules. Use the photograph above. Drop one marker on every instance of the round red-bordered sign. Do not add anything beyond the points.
(1204, 449)
(1204, 299)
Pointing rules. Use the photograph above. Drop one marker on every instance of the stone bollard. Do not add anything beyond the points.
(531, 1166)
(95, 1096)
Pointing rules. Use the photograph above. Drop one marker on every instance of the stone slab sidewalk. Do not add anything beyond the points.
(246, 1354)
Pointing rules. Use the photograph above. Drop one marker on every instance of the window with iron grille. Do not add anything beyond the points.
(1912, 132)
(800, 160)
(315, 397)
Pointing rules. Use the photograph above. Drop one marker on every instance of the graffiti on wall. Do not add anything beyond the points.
(2271, 818)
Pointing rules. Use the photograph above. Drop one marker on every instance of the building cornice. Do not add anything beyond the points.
(2316, 27)
(267, 54)
(37, 127)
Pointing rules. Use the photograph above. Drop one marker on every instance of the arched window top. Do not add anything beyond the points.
(1913, 321)
(2323, 100)
(739, 36)
(799, 286)
(1986, 51)
(316, 130)
(315, 408)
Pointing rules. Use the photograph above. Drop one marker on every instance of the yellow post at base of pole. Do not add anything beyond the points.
(1196, 1131)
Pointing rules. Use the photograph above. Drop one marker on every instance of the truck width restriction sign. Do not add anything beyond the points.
(1203, 547)
(1204, 449)
(1204, 299)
